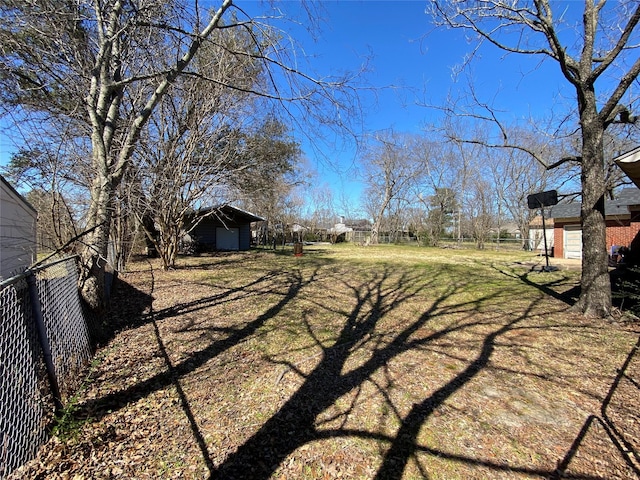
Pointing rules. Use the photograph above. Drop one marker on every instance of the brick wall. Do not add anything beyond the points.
(635, 227)
(624, 232)
(558, 240)
(619, 232)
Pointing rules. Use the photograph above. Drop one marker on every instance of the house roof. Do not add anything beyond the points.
(565, 210)
(17, 195)
(630, 164)
(618, 206)
(340, 228)
(231, 212)
(537, 222)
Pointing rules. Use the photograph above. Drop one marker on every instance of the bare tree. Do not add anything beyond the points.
(268, 175)
(322, 212)
(417, 224)
(481, 210)
(465, 160)
(108, 64)
(389, 168)
(602, 43)
(440, 186)
(191, 148)
(55, 224)
(172, 179)
(443, 205)
(515, 175)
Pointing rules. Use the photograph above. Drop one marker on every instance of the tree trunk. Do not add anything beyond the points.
(110, 161)
(94, 255)
(375, 230)
(377, 224)
(595, 295)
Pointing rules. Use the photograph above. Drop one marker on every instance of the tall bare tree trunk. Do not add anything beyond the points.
(94, 255)
(603, 46)
(111, 158)
(377, 223)
(595, 296)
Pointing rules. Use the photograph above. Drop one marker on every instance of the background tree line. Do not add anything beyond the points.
(436, 184)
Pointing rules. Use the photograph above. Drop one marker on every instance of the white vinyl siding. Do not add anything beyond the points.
(536, 238)
(17, 232)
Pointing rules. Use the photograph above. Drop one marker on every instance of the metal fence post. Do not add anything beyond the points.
(38, 318)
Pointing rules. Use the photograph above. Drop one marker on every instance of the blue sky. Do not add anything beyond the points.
(409, 54)
(417, 61)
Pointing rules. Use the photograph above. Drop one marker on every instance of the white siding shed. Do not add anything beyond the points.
(17, 231)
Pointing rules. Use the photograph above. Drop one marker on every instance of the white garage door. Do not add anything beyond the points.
(227, 239)
(573, 242)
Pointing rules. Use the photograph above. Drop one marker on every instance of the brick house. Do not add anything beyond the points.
(623, 224)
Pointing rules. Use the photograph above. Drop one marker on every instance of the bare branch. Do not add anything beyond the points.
(608, 111)
(143, 116)
(620, 45)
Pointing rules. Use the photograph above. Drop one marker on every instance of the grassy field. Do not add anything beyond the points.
(354, 362)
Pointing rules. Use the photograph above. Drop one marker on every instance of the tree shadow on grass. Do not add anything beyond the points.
(627, 385)
(297, 422)
(625, 287)
(128, 307)
(551, 287)
(300, 420)
(99, 407)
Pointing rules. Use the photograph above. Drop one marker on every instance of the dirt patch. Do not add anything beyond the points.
(539, 263)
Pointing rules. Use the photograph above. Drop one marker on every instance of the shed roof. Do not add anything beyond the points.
(340, 228)
(229, 211)
(626, 198)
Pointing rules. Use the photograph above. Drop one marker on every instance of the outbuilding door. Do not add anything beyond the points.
(227, 238)
(573, 241)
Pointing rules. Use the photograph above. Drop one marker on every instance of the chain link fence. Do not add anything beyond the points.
(44, 343)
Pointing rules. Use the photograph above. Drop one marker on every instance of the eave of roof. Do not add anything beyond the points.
(230, 210)
(17, 194)
(629, 162)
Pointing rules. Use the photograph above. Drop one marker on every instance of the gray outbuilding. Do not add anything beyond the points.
(221, 228)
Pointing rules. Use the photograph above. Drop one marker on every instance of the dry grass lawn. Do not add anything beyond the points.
(357, 363)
